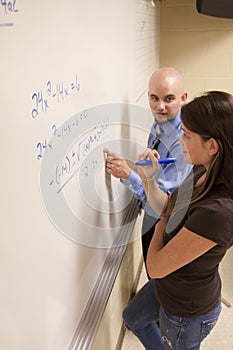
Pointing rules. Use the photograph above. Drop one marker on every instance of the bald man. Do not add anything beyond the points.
(166, 95)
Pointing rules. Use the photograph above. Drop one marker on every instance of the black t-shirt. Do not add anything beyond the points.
(194, 289)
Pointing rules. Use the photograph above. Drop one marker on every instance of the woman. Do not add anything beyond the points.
(193, 235)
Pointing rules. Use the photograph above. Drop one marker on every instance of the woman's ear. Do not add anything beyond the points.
(213, 147)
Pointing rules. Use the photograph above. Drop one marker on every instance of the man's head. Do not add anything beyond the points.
(166, 94)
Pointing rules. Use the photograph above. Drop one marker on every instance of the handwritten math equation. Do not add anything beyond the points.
(72, 161)
(52, 93)
(8, 7)
(66, 129)
(7, 10)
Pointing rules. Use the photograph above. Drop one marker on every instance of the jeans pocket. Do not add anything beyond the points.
(209, 322)
(207, 326)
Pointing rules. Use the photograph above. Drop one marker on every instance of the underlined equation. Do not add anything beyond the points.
(8, 11)
(67, 128)
(72, 161)
(52, 93)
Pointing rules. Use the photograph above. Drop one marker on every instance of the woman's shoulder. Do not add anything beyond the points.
(218, 201)
(212, 216)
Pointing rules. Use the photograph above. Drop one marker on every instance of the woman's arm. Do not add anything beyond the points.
(157, 198)
(183, 248)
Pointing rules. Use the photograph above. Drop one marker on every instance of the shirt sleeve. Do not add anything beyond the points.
(169, 177)
(134, 184)
(213, 221)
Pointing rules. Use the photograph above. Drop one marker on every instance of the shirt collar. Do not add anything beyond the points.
(170, 125)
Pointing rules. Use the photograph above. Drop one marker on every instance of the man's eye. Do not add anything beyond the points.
(170, 99)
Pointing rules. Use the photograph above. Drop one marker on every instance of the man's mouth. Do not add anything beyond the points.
(161, 115)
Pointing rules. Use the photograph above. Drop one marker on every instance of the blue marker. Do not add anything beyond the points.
(160, 161)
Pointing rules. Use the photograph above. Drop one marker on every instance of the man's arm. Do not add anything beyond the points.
(118, 167)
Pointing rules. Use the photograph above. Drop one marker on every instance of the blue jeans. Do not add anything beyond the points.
(175, 333)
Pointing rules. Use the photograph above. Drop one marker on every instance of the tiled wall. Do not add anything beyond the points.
(200, 46)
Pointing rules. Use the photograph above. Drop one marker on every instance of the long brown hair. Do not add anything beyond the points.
(211, 116)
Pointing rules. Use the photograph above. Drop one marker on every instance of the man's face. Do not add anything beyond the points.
(165, 99)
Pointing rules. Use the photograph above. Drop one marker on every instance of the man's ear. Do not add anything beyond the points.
(213, 146)
(184, 97)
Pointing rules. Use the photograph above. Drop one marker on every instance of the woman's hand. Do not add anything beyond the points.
(147, 172)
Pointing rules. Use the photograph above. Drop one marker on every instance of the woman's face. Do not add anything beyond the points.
(195, 149)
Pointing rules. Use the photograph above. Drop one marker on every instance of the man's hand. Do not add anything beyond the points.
(116, 165)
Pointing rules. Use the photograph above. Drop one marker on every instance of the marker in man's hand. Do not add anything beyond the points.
(160, 161)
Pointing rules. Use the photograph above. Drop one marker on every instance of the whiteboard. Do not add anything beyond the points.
(68, 88)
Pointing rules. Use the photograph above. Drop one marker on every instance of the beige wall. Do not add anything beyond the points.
(200, 46)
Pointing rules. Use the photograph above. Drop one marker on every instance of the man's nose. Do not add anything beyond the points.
(161, 105)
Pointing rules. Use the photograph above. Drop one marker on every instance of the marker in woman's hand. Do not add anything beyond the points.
(160, 161)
